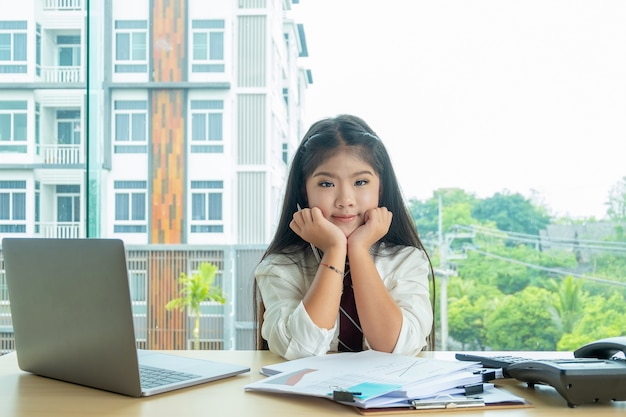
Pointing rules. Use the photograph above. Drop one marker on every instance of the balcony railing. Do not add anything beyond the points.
(60, 154)
(63, 5)
(59, 230)
(66, 75)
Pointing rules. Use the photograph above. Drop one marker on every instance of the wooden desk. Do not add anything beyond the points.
(23, 394)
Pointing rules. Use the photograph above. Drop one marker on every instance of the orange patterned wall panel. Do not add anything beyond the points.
(168, 40)
(168, 166)
(168, 122)
(167, 329)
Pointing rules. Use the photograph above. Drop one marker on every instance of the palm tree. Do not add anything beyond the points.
(195, 289)
(568, 306)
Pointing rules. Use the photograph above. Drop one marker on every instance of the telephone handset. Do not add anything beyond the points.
(603, 349)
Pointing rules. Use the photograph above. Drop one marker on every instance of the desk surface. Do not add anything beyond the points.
(24, 394)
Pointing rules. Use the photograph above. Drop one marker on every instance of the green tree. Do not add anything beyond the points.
(523, 322)
(568, 305)
(469, 305)
(512, 212)
(602, 317)
(456, 206)
(194, 290)
(464, 322)
(616, 204)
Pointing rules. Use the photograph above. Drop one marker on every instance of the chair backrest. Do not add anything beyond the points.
(261, 344)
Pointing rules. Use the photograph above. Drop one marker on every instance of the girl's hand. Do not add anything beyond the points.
(311, 225)
(377, 223)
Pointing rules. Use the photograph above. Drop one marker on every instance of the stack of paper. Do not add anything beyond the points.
(373, 379)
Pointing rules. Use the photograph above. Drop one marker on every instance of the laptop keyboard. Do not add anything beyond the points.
(154, 377)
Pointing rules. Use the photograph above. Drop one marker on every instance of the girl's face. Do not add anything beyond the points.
(344, 187)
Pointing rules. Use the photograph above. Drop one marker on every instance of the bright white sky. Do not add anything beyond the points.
(485, 95)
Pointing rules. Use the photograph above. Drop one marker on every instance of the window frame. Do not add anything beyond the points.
(214, 47)
(14, 108)
(132, 64)
(15, 221)
(74, 47)
(208, 190)
(72, 194)
(207, 109)
(130, 108)
(17, 61)
(131, 190)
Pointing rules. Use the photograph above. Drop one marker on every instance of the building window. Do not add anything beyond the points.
(206, 126)
(38, 49)
(138, 283)
(207, 54)
(4, 294)
(69, 51)
(13, 121)
(130, 206)
(68, 127)
(138, 286)
(285, 153)
(13, 47)
(12, 206)
(68, 203)
(131, 53)
(131, 127)
(206, 207)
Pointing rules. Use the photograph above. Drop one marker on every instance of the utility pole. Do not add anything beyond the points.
(443, 275)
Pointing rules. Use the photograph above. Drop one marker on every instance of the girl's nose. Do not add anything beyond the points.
(344, 198)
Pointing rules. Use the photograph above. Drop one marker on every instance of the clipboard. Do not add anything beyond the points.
(447, 403)
(411, 410)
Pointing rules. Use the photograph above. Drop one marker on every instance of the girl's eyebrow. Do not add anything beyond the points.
(329, 174)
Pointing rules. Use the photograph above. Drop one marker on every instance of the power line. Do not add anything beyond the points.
(544, 240)
(543, 268)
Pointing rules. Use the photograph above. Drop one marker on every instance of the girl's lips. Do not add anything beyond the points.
(344, 219)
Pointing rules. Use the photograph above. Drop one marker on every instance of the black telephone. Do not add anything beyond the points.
(596, 374)
(603, 349)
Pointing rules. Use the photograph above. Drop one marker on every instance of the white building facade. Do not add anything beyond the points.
(166, 123)
(154, 121)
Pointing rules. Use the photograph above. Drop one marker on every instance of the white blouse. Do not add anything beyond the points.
(284, 280)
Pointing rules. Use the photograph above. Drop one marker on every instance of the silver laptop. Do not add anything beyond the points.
(72, 319)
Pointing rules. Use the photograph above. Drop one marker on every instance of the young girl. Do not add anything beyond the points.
(344, 235)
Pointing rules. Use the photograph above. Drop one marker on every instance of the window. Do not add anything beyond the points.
(206, 126)
(285, 153)
(208, 45)
(131, 46)
(38, 50)
(4, 289)
(69, 51)
(12, 206)
(13, 47)
(130, 207)
(13, 119)
(130, 126)
(138, 285)
(206, 207)
(68, 127)
(68, 203)
(37, 206)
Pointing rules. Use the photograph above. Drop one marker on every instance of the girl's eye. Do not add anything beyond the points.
(361, 182)
(326, 184)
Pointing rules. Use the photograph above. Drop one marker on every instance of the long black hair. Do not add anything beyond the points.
(323, 139)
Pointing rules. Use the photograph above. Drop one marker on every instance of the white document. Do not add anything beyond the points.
(368, 374)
